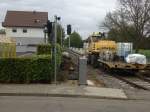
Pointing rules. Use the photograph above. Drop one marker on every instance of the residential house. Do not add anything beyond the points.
(27, 28)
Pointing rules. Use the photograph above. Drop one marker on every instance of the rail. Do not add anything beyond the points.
(132, 83)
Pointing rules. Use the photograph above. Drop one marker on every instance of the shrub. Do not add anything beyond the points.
(44, 49)
(145, 52)
(37, 69)
(59, 54)
(47, 48)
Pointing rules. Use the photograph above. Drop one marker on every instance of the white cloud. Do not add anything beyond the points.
(84, 15)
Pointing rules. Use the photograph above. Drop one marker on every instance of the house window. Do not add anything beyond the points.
(14, 30)
(24, 30)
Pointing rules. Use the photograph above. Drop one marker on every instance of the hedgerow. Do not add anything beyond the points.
(33, 69)
(26, 70)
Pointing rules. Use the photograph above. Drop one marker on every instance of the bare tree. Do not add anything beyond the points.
(115, 19)
(135, 13)
(138, 14)
(118, 20)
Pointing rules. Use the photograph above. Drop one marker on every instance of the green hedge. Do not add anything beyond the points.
(47, 48)
(59, 54)
(37, 69)
(43, 49)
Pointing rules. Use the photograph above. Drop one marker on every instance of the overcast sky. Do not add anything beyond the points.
(84, 15)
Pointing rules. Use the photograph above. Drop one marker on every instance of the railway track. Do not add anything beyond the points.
(135, 81)
(147, 79)
(125, 81)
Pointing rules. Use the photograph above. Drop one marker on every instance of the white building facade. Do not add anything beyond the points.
(28, 33)
(26, 38)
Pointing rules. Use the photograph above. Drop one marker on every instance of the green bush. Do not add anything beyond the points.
(59, 54)
(43, 49)
(36, 69)
(144, 52)
(47, 48)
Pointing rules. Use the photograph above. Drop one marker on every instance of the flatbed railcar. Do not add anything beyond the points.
(123, 66)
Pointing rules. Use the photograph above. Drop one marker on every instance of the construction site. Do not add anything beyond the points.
(75, 56)
(111, 65)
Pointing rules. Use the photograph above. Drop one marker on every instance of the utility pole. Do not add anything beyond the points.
(69, 41)
(44, 37)
(69, 33)
(61, 37)
(55, 50)
(45, 31)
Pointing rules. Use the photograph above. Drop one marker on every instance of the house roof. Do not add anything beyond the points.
(25, 19)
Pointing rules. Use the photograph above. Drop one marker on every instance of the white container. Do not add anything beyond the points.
(124, 49)
(136, 58)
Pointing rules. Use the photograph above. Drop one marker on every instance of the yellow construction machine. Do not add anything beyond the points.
(100, 48)
(103, 52)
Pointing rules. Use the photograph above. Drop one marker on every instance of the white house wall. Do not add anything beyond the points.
(2, 35)
(28, 40)
(33, 36)
(31, 32)
(24, 49)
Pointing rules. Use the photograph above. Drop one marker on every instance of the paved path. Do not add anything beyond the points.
(56, 104)
(53, 90)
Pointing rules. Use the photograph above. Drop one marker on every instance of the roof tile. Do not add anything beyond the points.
(25, 19)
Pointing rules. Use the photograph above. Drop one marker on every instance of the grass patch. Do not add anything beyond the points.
(145, 52)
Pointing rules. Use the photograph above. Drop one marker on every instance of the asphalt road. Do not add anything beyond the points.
(54, 104)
